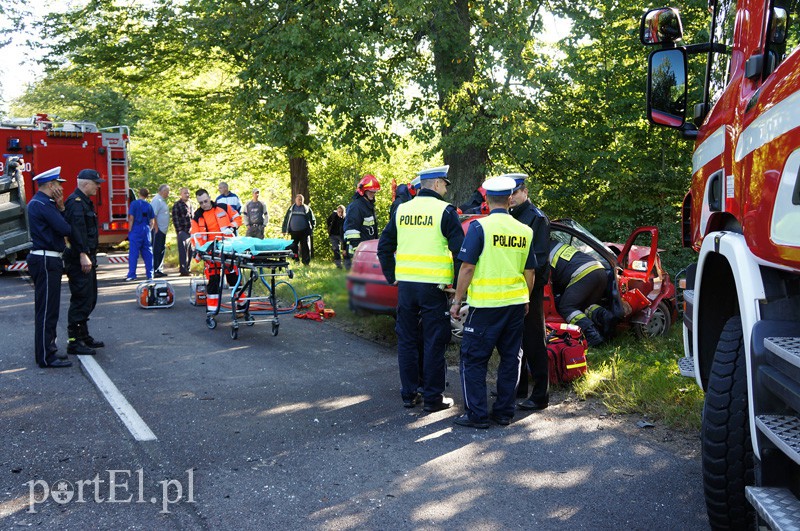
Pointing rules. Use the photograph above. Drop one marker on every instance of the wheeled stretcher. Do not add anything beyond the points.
(252, 260)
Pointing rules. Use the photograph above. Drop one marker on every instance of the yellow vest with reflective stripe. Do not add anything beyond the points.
(422, 252)
(499, 278)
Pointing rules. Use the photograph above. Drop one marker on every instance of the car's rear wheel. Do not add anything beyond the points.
(727, 450)
(658, 325)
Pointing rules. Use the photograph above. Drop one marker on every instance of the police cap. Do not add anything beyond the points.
(415, 183)
(499, 186)
(49, 175)
(90, 175)
(519, 179)
(435, 173)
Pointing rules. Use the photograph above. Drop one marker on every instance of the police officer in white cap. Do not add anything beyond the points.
(48, 229)
(496, 277)
(426, 234)
(534, 340)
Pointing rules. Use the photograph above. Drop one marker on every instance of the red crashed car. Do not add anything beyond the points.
(639, 289)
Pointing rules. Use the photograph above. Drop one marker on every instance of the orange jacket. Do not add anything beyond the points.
(214, 220)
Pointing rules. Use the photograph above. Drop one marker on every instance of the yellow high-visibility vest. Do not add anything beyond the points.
(422, 252)
(499, 278)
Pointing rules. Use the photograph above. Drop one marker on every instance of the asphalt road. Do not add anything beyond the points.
(303, 430)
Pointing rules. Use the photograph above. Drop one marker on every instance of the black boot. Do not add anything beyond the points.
(75, 345)
(593, 337)
(88, 340)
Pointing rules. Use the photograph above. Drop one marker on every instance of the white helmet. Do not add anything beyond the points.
(457, 323)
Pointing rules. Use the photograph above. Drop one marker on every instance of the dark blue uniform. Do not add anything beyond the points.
(360, 222)
(485, 329)
(79, 212)
(534, 337)
(422, 315)
(48, 229)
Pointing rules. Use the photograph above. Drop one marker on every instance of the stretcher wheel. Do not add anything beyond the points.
(250, 320)
(275, 329)
(211, 323)
(234, 332)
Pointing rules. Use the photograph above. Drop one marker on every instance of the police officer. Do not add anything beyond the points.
(48, 229)
(359, 222)
(80, 262)
(426, 234)
(579, 281)
(497, 275)
(534, 340)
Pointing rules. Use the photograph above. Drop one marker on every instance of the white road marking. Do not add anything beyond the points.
(123, 408)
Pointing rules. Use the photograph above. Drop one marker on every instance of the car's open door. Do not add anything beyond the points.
(638, 256)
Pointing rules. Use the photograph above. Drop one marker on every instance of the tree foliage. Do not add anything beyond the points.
(312, 94)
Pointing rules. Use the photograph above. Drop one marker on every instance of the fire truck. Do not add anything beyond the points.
(33, 145)
(742, 215)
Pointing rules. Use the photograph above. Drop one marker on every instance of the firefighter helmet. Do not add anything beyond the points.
(368, 183)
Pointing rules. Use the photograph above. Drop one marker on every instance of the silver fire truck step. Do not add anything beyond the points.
(787, 348)
(778, 507)
(686, 366)
(783, 431)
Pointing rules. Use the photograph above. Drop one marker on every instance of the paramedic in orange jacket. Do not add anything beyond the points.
(220, 220)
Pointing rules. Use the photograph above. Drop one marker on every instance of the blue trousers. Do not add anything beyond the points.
(139, 239)
(422, 316)
(46, 274)
(485, 329)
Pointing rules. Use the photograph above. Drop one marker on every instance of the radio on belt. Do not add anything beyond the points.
(155, 294)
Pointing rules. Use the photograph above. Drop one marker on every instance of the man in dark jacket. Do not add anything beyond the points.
(80, 261)
(360, 223)
(335, 224)
(534, 341)
(299, 223)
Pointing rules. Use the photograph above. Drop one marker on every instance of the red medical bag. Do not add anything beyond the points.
(566, 352)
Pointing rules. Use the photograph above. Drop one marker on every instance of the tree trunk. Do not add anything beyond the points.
(454, 67)
(298, 172)
(467, 171)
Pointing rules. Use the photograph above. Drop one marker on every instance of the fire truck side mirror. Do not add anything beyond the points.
(661, 26)
(666, 87)
(777, 25)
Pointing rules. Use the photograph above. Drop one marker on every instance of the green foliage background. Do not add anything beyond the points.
(224, 90)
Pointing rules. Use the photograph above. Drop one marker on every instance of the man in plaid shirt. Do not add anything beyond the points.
(182, 221)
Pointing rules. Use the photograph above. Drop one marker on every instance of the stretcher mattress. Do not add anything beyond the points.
(244, 244)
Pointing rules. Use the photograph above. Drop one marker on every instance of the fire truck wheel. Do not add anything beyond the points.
(727, 449)
(658, 325)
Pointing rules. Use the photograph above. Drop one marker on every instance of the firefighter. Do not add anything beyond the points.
(579, 281)
(214, 221)
(497, 275)
(534, 341)
(404, 193)
(426, 234)
(359, 222)
(48, 230)
(80, 262)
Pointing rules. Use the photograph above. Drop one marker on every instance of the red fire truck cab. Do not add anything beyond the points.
(40, 143)
(742, 216)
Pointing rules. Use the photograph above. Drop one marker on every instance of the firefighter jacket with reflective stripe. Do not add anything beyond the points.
(499, 278)
(568, 265)
(214, 220)
(423, 254)
(359, 222)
